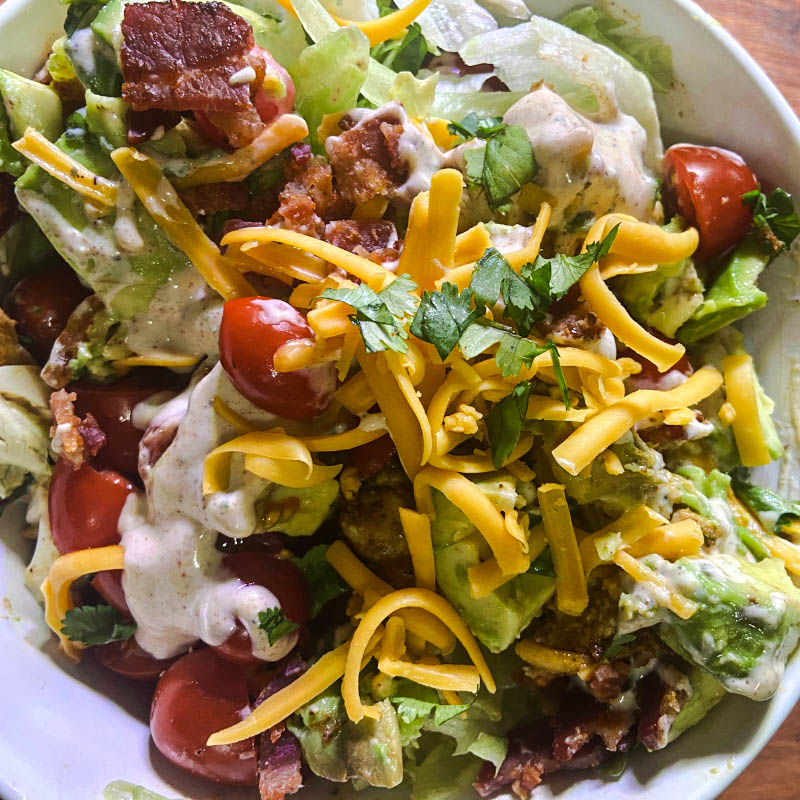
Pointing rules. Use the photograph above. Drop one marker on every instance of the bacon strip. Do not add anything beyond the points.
(73, 438)
(180, 56)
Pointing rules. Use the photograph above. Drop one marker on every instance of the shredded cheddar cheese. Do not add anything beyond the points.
(740, 386)
(417, 530)
(379, 30)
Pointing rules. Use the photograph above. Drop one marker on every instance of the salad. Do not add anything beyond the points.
(371, 376)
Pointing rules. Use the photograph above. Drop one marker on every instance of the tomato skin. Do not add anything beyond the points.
(112, 406)
(108, 584)
(268, 106)
(651, 378)
(85, 505)
(706, 185)
(252, 330)
(129, 659)
(197, 696)
(369, 459)
(41, 304)
(283, 579)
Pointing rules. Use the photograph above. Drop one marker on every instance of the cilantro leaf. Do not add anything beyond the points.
(411, 710)
(775, 217)
(96, 625)
(443, 316)
(405, 54)
(323, 581)
(275, 624)
(505, 421)
(508, 164)
(475, 127)
(380, 316)
(551, 278)
(493, 278)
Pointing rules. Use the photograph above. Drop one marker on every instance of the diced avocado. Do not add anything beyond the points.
(305, 509)
(498, 619)
(94, 60)
(337, 749)
(58, 64)
(707, 691)
(765, 408)
(746, 624)
(664, 299)
(734, 293)
(105, 119)
(25, 104)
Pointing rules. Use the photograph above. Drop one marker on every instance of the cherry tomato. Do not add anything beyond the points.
(283, 579)
(129, 659)
(252, 330)
(108, 584)
(85, 505)
(209, 131)
(370, 458)
(268, 105)
(706, 185)
(41, 304)
(651, 378)
(197, 696)
(112, 406)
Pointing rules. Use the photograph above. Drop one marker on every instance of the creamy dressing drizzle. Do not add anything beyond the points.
(126, 233)
(179, 591)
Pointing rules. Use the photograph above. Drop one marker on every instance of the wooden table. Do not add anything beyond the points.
(770, 31)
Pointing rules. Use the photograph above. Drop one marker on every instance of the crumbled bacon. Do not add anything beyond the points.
(57, 372)
(376, 241)
(239, 128)
(660, 695)
(365, 158)
(607, 680)
(143, 125)
(211, 198)
(279, 765)
(308, 197)
(73, 438)
(180, 56)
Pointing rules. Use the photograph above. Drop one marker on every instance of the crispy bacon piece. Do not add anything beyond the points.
(279, 765)
(180, 56)
(365, 158)
(376, 241)
(211, 198)
(73, 438)
(660, 694)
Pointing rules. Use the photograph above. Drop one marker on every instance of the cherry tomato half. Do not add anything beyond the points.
(252, 330)
(369, 459)
(108, 584)
(197, 696)
(112, 406)
(129, 659)
(283, 579)
(706, 185)
(41, 304)
(85, 505)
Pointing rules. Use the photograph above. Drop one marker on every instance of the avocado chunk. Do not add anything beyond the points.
(733, 294)
(746, 624)
(25, 104)
(301, 511)
(499, 618)
(707, 691)
(105, 119)
(338, 750)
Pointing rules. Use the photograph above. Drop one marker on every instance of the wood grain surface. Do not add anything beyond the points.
(770, 31)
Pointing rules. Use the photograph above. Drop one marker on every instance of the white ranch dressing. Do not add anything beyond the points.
(586, 165)
(178, 590)
(126, 233)
(81, 49)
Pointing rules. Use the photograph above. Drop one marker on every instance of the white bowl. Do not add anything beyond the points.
(67, 731)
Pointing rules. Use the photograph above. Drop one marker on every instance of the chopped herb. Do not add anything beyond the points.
(405, 54)
(475, 127)
(505, 421)
(323, 581)
(443, 316)
(96, 625)
(774, 217)
(503, 166)
(618, 644)
(275, 624)
(411, 710)
(551, 278)
(380, 316)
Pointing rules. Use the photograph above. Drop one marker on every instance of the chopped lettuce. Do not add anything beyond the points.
(772, 510)
(649, 54)
(449, 24)
(441, 775)
(122, 790)
(590, 77)
(329, 75)
(746, 624)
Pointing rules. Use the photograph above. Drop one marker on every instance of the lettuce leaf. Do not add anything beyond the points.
(122, 790)
(589, 76)
(649, 54)
(448, 24)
